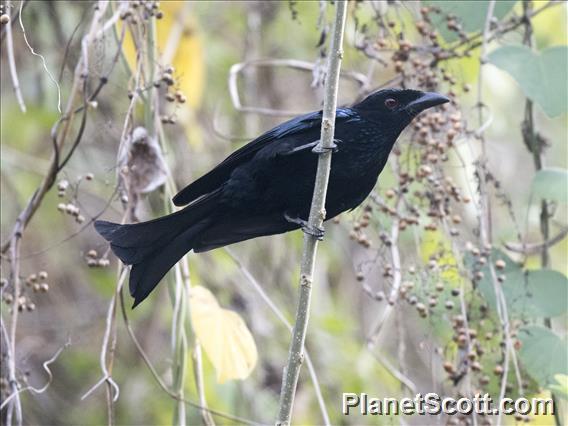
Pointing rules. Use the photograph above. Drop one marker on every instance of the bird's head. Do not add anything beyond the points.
(397, 107)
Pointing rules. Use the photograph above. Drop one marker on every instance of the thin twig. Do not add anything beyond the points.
(45, 365)
(280, 315)
(12, 63)
(15, 280)
(59, 137)
(528, 249)
(317, 216)
(485, 219)
(536, 146)
(44, 63)
(110, 325)
(161, 383)
(236, 69)
(396, 269)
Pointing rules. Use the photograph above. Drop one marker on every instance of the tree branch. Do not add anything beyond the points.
(317, 216)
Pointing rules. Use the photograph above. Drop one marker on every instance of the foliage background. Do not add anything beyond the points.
(215, 36)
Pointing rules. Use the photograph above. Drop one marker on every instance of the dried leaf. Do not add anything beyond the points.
(141, 163)
(224, 336)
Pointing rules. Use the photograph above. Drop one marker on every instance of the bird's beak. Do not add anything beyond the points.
(427, 100)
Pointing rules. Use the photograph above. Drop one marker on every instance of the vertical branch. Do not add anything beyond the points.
(15, 280)
(282, 318)
(12, 63)
(317, 216)
(535, 146)
(485, 222)
(179, 345)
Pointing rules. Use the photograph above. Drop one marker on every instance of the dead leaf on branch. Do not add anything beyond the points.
(142, 167)
(224, 336)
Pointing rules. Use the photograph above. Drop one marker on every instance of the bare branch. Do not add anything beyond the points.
(290, 63)
(44, 63)
(12, 63)
(280, 315)
(317, 216)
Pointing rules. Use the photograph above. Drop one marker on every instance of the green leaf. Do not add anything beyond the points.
(540, 293)
(541, 75)
(543, 354)
(548, 291)
(551, 184)
(471, 15)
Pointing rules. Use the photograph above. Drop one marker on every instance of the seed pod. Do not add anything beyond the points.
(500, 264)
(498, 370)
(62, 185)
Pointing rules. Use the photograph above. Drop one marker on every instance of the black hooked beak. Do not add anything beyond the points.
(427, 100)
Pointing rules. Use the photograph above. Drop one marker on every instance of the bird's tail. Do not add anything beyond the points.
(154, 247)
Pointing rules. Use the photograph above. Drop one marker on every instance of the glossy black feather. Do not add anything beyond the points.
(213, 179)
(260, 187)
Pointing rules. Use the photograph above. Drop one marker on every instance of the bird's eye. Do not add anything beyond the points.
(391, 103)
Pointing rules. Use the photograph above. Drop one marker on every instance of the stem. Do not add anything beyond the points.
(282, 318)
(15, 280)
(317, 216)
(535, 146)
(12, 64)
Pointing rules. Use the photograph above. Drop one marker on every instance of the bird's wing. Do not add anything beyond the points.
(216, 177)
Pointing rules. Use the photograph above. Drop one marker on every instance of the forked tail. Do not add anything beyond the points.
(154, 247)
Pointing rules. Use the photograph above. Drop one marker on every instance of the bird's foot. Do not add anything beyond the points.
(318, 149)
(314, 231)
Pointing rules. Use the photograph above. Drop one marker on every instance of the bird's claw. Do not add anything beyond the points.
(318, 149)
(314, 231)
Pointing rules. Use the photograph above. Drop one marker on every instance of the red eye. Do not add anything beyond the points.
(391, 103)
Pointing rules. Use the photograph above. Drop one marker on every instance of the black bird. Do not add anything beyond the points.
(266, 187)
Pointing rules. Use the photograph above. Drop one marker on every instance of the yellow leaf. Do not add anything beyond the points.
(224, 336)
(179, 44)
(435, 244)
(542, 419)
(561, 384)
